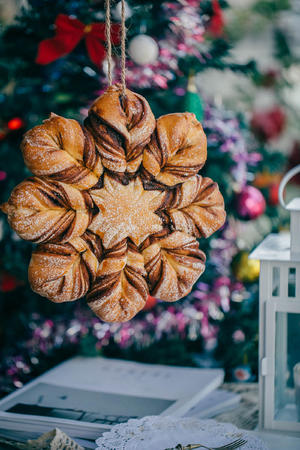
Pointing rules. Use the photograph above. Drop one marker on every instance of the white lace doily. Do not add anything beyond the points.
(159, 433)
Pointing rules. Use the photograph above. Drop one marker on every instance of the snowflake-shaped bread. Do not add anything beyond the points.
(116, 206)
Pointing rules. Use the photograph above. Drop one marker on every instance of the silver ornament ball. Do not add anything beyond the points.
(118, 11)
(143, 49)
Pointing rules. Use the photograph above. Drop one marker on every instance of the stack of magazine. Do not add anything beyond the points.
(86, 396)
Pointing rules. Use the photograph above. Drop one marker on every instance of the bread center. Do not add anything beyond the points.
(125, 211)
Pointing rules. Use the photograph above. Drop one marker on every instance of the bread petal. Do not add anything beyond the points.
(177, 149)
(120, 290)
(196, 207)
(60, 149)
(173, 264)
(122, 127)
(43, 211)
(64, 272)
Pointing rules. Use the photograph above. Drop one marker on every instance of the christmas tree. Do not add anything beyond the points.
(53, 59)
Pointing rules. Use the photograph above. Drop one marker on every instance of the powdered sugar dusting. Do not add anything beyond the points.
(125, 211)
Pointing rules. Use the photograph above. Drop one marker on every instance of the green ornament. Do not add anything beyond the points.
(62, 97)
(192, 101)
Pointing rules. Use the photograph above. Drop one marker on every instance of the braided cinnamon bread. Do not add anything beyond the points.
(116, 206)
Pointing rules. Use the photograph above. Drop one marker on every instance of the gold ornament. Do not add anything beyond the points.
(265, 179)
(245, 269)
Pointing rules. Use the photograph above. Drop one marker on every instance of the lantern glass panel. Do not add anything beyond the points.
(292, 282)
(287, 367)
(275, 281)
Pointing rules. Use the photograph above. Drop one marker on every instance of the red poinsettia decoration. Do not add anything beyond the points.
(8, 282)
(69, 32)
(216, 24)
(269, 124)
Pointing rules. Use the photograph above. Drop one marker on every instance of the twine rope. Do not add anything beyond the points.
(109, 44)
(123, 48)
(108, 41)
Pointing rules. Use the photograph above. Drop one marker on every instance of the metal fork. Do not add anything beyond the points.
(231, 446)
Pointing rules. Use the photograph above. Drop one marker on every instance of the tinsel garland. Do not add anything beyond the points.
(188, 320)
(226, 136)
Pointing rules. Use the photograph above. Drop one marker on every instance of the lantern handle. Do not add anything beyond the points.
(287, 177)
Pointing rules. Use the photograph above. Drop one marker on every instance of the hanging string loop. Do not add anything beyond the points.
(123, 48)
(109, 44)
(108, 41)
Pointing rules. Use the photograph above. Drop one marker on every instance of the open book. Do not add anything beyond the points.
(86, 396)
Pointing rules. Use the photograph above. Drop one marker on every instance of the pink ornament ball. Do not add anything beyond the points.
(250, 203)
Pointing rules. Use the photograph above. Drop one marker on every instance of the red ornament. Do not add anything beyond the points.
(269, 78)
(15, 124)
(8, 283)
(2, 135)
(216, 24)
(69, 32)
(250, 203)
(273, 199)
(268, 124)
(150, 303)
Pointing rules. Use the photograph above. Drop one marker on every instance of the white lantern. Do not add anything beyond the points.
(279, 323)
